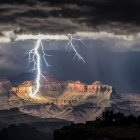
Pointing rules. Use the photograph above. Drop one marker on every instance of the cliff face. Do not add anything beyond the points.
(47, 84)
(76, 86)
(51, 86)
(95, 88)
(71, 100)
(23, 90)
(80, 91)
(65, 89)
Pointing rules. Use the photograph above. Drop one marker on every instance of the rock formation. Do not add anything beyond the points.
(51, 86)
(23, 89)
(76, 86)
(71, 100)
(63, 93)
(94, 86)
(97, 88)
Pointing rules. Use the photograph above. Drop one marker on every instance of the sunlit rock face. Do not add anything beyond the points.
(23, 90)
(76, 86)
(69, 100)
(64, 90)
(99, 88)
(94, 86)
(95, 89)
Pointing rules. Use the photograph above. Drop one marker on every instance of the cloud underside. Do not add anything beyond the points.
(69, 16)
(113, 27)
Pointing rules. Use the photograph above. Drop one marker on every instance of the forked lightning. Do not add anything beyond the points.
(35, 58)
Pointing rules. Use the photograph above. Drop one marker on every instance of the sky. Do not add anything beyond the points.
(109, 28)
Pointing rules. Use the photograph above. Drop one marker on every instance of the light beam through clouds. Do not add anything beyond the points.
(35, 58)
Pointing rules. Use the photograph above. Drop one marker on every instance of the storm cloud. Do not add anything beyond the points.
(109, 28)
(69, 16)
(113, 60)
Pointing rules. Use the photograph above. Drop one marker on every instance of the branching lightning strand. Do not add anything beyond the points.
(35, 58)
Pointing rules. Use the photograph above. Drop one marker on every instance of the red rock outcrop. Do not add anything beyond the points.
(76, 86)
(94, 86)
(51, 86)
(24, 88)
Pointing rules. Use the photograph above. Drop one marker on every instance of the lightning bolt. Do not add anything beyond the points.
(35, 58)
(36, 66)
(71, 44)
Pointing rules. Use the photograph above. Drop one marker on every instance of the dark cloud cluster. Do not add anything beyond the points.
(112, 55)
(12, 60)
(69, 16)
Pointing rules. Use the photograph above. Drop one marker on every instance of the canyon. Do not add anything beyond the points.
(69, 100)
(62, 92)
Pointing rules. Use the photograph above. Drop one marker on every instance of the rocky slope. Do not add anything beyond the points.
(125, 103)
(45, 126)
(65, 92)
(71, 100)
(88, 110)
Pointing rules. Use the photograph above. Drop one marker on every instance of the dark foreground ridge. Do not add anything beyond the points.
(21, 132)
(111, 126)
(15, 125)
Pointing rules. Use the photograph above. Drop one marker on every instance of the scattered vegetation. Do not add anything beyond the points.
(110, 126)
(118, 119)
